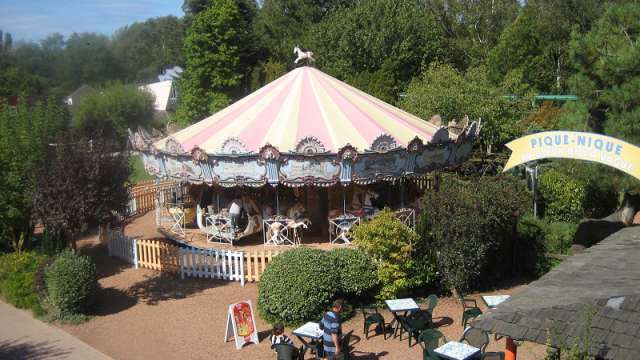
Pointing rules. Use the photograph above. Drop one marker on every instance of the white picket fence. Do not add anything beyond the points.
(122, 246)
(212, 263)
(202, 263)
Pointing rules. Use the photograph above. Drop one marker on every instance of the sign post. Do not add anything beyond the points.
(242, 323)
(575, 145)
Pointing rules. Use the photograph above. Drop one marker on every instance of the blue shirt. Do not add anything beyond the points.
(331, 325)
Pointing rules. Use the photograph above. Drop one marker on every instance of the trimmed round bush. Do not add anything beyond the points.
(297, 285)
(71, 284)
(357, 273)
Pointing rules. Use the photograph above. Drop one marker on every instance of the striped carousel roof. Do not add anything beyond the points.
(305, 105)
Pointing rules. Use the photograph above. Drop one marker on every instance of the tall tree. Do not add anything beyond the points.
(81, 185)
(535, 45)
(88, 59)
(607, 75)
(447, 92)
(212, 50)
(472, 28)
(110, 112)
(282, 24)
(144, 49)
(24, 137)
(384, 38)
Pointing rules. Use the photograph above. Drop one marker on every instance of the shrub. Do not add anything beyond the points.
(564, 196)
(17, 279)
(389, 243)
(356, 271)
(71, 284)
(298, 285)
(469, 225)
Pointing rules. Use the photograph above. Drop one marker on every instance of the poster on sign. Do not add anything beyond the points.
(241, 322)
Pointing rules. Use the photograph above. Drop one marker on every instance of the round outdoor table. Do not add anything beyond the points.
(312, 331)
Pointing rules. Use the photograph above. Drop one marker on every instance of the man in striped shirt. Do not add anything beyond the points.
(332, 327)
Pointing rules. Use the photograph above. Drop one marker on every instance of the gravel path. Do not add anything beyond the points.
(23, 337)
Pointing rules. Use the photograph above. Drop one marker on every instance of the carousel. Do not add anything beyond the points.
(305, 154)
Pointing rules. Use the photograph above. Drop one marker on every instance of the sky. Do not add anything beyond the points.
(33, 20)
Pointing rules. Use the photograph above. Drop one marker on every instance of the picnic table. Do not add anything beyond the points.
(494, 300)
(403, 306)
(455, 350)
(312, 331)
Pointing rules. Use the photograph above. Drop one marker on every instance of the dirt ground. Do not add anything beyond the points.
(143, 314)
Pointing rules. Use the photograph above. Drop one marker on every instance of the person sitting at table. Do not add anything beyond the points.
(278, 336)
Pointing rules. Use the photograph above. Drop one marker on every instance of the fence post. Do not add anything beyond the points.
(135, 252)
(180, 260)
(241, 268)
(109, 242)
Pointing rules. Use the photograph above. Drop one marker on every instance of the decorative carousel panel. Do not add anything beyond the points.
(240, 171)
(310, 145)
(383, 143)
(234, 146)
(309, 170)
(371, 167)
(173, 167)
(198, 172)
(152, 164)
(433, 157)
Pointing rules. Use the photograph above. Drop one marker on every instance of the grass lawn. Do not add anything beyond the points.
(138, 174)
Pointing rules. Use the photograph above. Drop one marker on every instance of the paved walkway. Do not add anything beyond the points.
(23, 337)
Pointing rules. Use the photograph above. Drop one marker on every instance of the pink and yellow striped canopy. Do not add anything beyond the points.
(303, 103)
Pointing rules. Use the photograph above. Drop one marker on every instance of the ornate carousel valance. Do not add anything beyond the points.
(306, 128)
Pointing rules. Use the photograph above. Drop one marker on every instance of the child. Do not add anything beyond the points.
(278, 336)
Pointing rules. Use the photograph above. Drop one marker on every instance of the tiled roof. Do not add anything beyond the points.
(600, 286)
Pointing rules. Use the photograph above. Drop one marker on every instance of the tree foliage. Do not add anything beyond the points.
(445, 91)
(113, 110)
(535, 45)
(394, 37)
(390, 244)
(212, 49)
(24, 135)
(472, 28)
(142, 50)
(80, 185)
(470, 224)
(608, 72)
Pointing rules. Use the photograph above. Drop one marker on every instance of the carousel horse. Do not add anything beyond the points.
(296, 211)
(301, 55)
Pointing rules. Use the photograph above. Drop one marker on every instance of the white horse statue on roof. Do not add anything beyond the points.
(302, 55)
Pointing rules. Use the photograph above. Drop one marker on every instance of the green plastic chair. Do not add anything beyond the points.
(289, 352)
(476, 338)
(414, 323)
(470, 309)
(431, 301)
(345, 353)
(372, 316)
(429, 340)
(492, 356)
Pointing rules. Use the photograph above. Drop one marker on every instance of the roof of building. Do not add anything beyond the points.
(78, 94)
(162, 91)
(600, 286)
(305, 103)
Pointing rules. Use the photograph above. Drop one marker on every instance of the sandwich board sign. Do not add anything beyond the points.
(242, 323)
